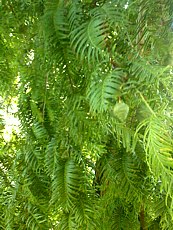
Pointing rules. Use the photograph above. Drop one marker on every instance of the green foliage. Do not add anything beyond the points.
(103, 89)
(92, 81)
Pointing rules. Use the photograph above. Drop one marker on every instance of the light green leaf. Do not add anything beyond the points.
(121, 111)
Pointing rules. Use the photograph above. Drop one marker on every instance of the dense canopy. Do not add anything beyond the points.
(90, 85)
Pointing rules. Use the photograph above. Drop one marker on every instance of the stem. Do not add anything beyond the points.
(146, 103)
(142, 218)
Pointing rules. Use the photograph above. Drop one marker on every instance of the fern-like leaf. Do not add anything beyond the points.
(65, 185)
(102, 90)
(158, 147)
(109, 12)
(88, 40)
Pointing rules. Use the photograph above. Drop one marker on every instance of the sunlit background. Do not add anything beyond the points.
(9, 122)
